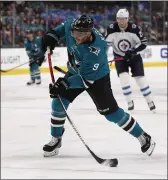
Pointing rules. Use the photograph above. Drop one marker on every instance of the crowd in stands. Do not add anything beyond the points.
(17, 17)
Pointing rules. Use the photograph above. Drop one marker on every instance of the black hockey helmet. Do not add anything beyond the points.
(83, 24)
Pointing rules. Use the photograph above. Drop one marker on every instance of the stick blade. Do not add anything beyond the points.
(110, 162)
(107, 162)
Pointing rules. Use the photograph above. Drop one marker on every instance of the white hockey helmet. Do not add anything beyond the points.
(122, 13)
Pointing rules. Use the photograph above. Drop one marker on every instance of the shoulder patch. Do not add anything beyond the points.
(111, 26)
(94, 50)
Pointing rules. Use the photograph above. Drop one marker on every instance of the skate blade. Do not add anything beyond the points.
(154, 111)
(49, 154)
(151, 148)
(30, 84)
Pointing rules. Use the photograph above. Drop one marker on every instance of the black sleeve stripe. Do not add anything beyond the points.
(141, 47)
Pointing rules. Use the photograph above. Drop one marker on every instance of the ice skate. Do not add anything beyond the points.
(130, 106)
(152, 106)
(147, 144)
(30, 82)
(38, 81)
(52, 148)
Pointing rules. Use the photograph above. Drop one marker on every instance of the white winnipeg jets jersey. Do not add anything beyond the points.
(123, 40)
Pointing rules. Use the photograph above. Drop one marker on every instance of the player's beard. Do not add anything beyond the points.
(81, 37)
(82, 40)
(79, 41)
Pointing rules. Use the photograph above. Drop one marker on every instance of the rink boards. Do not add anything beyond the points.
(153, 56)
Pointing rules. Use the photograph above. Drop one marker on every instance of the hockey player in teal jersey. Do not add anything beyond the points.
(33, 47)
(88, 70)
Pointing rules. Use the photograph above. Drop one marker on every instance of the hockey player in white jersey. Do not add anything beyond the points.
(127, 41)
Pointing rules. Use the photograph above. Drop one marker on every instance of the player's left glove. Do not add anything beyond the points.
(39, 60)
(49, 40)
(31, 61)
(59, 86)
(129, 54)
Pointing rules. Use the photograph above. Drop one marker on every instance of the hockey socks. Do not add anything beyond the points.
(126, 122)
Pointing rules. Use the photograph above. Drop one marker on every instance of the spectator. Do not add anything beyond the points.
(41, 16)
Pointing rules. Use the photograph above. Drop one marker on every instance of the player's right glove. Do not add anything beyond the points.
(129, 54)
(59, 86)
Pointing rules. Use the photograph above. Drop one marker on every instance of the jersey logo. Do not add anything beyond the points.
(133, 25)
(111, 26)
(94, 50)
(124, 45)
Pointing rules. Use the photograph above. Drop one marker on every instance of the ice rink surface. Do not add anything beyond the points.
(25, 128)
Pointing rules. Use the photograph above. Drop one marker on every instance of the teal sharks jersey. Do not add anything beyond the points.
(87, 61)
(34, 48)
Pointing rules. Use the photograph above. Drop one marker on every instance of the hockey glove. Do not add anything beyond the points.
(49, 40)
(31, 62)
(39, 60)
(59, 86)
(129, 54)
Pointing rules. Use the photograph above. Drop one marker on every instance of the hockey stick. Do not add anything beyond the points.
(115, 60)
(4, 71)
(64, 72)
(107, 162)
(59, 69)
